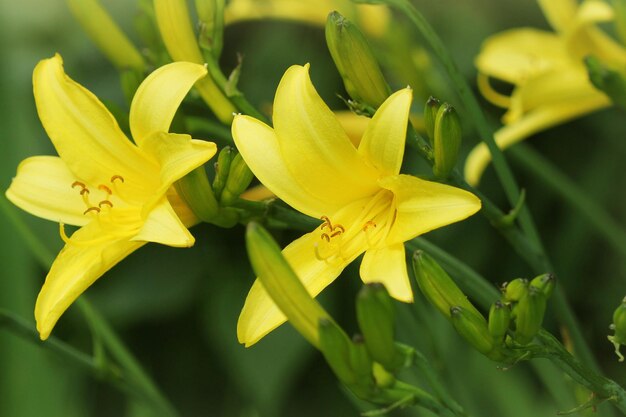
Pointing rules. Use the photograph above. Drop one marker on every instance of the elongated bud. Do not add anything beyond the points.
(514, 291)
(196, 190)
(283, 285)
(211, 16)
(619, 327)
(472, 328)
(355, 62)
(349, 361)
(106, 34)
(499, 320)
(383, 378)
(182, 45)
(609, 80)
(239, 177)
(545, 283)
(222, 167)
(619, 7)
(529, 313)
(376, 315)
(447, 140)
(438, 287)
(430, 115)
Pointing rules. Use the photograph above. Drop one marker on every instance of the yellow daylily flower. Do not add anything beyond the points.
(551, 85)
(367, 206)
(117, 191)
(373, 19)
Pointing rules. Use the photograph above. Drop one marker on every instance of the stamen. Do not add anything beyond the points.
(104, 188)
(325, 237)
(84, 191)
(368, 224)
(326, 223)
(93, 208)
(337, 233)
(340, 227)
(117, 177)
(78, 184)
(105, 202)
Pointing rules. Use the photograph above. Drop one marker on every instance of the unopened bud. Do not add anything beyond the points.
(515, 290)
(239, 178)
(545, 283)
(222, 167)
(349, 361)
(283, 285)
(499, 320)
(211, 16)
(447, 140)
(376, 314)
(195, 189)
(611, 81)
(355, 61)
(438, 287)
(619, 8)
(619, 327)
(430, 115)
(529, 313)
(472, 328)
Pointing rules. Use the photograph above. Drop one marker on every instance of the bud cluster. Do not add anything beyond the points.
(513, 320)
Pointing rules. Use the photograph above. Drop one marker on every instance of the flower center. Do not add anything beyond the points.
(368, 230)
(102, 212)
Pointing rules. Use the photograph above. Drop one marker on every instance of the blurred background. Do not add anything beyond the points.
(177, 309)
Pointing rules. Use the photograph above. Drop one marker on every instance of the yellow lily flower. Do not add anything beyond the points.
(373, 19)
(551, 85)
(116, 191)
(308, 161)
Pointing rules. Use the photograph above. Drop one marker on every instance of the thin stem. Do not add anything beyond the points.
(538, 166)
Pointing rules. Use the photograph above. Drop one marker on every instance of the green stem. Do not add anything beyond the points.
(140, 381)
(538, 166)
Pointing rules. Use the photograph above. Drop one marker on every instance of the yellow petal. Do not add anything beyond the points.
(182, 210)
(162, 225)
(177, 155)
(43, 187)
(313, 145)
(84, 133)
(159, 96)
(74, 270)
(559, 13)
(388, 266)
(383, 142)
(424, 205)
(353, 124)
(514, 55)
(541, 118)
(258, 146)
(260, 315)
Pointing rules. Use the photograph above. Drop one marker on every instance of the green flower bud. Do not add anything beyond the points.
(438, 287)
(499, 320)
(430, 115)
(529, 313)
(619, 7)
(222, 167)
(355, 62)
(608, 80)
(283, 285)
(619, 327)
(513, 291)
(472, 328)
(545, 283)
(239, 177)
(196, 190)
(349, 361)
(447, 140)
(211, 16)
(375, 314)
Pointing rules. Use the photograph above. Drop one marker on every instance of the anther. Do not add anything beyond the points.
(326, 223)
(78, 184)
(84, 191)
(117, 177)
(105, 202)
(96, 209)
(325, 237)
(368, 224)
(337, 233)
(104, 188)
(340, 227)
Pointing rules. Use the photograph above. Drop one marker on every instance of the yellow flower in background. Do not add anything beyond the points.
(115, 190)
(546, 69)
(308, 161)
(373, 19)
